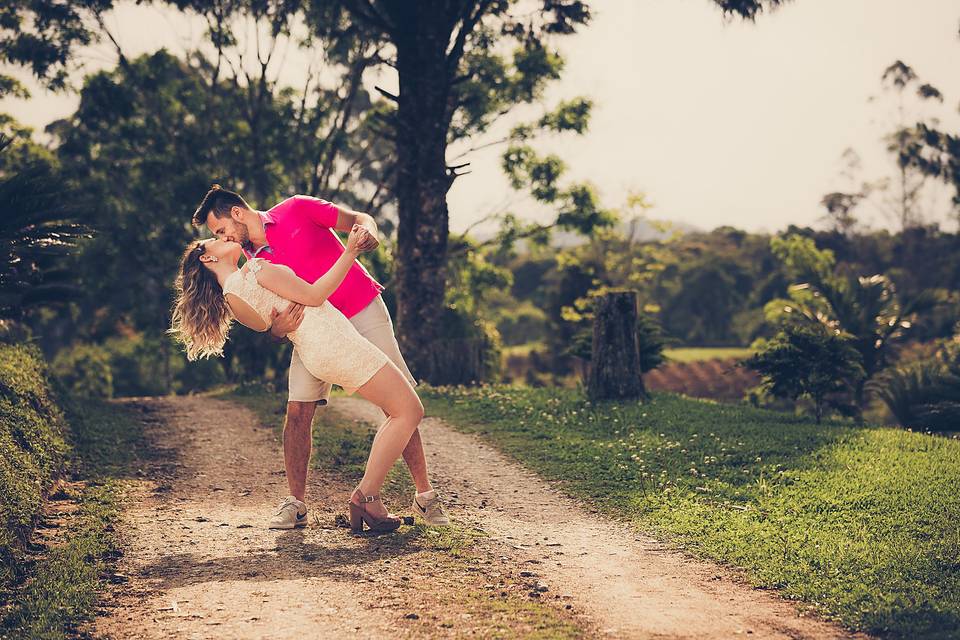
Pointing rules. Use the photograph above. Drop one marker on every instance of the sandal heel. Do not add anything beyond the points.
(359, 515)
(356, 518)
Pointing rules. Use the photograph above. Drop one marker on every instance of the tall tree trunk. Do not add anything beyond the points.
(421, 187)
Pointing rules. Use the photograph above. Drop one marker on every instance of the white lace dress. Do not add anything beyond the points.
(328, 344)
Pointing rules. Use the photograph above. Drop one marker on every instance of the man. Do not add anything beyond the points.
(299, 233)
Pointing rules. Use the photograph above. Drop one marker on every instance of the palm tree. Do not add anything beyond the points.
(38, 228)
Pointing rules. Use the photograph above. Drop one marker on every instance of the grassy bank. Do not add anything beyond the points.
(33, 450)
(51, 582)
(859, 522)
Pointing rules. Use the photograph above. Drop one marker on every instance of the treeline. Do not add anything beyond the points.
(837, 321)
(712, 288)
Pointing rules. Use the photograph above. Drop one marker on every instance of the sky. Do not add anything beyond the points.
(718, 122)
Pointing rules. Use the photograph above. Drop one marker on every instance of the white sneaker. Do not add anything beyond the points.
(292, 513)
(428, 506)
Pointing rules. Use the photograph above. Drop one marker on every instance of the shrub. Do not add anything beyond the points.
(467, 351)
(925, 394)
(810, 361)
(146, 365)
(32, 447)
(84, 370)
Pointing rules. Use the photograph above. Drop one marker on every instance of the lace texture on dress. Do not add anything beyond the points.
(329, 346)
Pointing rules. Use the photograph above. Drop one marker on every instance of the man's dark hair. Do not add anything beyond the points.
(218, 201)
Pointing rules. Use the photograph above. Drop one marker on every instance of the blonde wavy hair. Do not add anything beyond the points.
(201, 318)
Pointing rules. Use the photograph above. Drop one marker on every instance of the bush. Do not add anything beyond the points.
(925, 394)
(32, 447)
(84, 370)
(145, 365)
(808, 361)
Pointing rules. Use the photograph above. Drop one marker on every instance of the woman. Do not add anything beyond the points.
(212, 290)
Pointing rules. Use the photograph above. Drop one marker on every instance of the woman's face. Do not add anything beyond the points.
(224, 250)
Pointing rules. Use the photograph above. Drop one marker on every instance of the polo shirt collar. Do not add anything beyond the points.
(267, 218)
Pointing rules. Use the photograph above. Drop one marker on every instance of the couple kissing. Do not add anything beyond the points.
(302, 283)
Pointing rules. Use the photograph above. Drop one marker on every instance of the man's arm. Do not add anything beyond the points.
(346, 218)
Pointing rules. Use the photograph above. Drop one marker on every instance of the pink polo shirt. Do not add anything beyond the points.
(300, 235)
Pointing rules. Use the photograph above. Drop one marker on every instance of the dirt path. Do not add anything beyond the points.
(199, 563)
(630, 585)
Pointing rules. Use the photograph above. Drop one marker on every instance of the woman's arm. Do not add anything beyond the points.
(288, 285)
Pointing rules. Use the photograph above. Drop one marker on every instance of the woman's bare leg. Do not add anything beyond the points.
(390, 391)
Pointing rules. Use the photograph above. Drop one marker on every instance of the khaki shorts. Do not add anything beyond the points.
(374, 324)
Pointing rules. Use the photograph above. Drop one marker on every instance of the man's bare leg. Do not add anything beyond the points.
(297, 441)
(416, 461)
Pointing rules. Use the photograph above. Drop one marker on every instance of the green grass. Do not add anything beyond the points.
(57, 588)
(697, 354)
(859, 522)
(32, 450)
(62, 588)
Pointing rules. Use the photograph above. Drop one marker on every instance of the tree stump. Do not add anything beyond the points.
(615, 360)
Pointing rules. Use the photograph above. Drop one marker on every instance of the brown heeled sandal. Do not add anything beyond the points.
(359, 515)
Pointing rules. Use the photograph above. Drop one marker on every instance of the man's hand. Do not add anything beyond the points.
(286, 321)
(369, 242)
(346, 219)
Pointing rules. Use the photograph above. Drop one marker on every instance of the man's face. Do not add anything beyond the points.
(230, 230)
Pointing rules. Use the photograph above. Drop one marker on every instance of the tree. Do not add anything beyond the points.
(840, 206)
(153, 133)
(39, 228)
(808, 360)
(331, 149)
(457, 76)
(43, 35)
(902, 197)
(454, 83)
(905, 203)
(936, 153)
(704, 307)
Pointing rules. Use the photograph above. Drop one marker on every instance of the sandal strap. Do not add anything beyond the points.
(364, 498)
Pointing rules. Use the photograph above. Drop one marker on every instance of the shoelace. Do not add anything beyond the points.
(285, 504)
